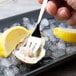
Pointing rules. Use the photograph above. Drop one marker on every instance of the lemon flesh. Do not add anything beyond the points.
(10, 38)
(68, 35)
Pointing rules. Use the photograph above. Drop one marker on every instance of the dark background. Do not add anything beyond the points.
(66, 69)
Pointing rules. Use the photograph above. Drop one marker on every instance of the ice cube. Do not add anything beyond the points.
(15, 24)
(30, 27)
(58, 53)
(71, 50)
(47, 45)
(8, 72)
(44, 24)
(52, 27)
(62, 25)
(48, 53)
(47, 32)
(13, 60)
(53, 47)
(53, 38)
(15, 69)
(57, 48)
(5, 62)
(23, 68)
(61, 44)
(54, 22)
(1, 70)
(26, 20)
(27, 23)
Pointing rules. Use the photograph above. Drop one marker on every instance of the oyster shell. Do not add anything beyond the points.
(23, 53)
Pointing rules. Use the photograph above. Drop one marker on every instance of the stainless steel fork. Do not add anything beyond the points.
(34, 41)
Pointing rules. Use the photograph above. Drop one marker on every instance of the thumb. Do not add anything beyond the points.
(72, 3)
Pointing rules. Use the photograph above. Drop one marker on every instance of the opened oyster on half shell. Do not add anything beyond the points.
(23, 53)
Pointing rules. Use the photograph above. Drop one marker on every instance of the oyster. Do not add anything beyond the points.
(23, 53)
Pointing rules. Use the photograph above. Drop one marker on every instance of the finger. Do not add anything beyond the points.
(72, 3)
(63, 13)
(40, 1)
(72, 20)
(51, 8)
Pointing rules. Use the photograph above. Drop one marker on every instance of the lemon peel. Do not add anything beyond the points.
(10, 38)
(68, 35)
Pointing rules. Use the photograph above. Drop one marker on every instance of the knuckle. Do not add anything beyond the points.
(72, 3)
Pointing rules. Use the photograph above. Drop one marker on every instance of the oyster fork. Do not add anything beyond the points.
(34, 41)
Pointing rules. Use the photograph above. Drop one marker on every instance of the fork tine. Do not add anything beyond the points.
(34, 40)
(37, 45)
(29, 42)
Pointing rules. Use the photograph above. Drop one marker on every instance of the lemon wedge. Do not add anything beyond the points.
(66, 34)
(10, 38)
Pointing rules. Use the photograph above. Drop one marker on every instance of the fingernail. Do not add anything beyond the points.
(64, 12)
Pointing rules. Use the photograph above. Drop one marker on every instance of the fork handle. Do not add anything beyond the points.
(42, 10)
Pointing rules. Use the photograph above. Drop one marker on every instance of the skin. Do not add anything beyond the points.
(62, 10)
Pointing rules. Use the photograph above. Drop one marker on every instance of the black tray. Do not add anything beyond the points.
(34, 15)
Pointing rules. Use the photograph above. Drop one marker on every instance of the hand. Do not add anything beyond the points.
(62, 10)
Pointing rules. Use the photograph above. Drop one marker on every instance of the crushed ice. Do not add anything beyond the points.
(55, 47)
